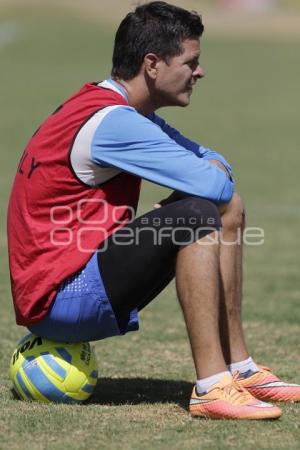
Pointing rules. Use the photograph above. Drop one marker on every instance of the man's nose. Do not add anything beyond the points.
(199, 72)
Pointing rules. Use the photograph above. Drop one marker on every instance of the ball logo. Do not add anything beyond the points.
(85, 354)
(28, 345)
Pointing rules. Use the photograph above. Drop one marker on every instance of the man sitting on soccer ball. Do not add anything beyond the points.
(72, 229)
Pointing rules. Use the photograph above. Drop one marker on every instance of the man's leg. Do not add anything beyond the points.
(133, 274)
(209, 285)
(259, 381)
(216, 394)
(198, 287)
(139, 260)
(231, 273)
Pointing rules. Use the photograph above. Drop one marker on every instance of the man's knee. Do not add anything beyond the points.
(234, 216)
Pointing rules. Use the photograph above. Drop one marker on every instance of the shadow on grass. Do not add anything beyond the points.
(133, 391)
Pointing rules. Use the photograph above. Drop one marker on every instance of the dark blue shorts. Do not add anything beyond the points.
(82, 312)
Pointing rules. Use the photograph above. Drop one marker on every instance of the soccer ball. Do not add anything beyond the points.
(48, 371)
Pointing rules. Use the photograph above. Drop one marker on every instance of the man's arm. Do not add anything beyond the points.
(176, 195)
(128, 141)
(199, 150)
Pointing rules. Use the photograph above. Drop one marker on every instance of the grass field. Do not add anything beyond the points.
(247, 108)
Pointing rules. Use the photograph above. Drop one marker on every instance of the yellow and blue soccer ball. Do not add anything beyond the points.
(48, 371)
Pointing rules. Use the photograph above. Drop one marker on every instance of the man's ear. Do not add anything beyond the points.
(151, 65)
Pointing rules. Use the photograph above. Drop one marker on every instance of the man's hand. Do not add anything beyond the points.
(220, 165)
(222, 207)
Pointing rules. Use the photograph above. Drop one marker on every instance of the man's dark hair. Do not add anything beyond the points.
(155, 27)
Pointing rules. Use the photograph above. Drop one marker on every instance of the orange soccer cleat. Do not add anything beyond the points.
(264, 385)
(229, 400)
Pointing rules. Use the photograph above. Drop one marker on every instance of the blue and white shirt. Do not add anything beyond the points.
(118, 138)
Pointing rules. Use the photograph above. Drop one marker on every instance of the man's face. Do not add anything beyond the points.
(175, 79)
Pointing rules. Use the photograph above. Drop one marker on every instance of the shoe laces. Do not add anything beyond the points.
(236, 392)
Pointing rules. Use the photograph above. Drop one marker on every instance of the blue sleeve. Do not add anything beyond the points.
(199, 150)
(129, 141)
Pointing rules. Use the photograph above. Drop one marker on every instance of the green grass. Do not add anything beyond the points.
(247, 108)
